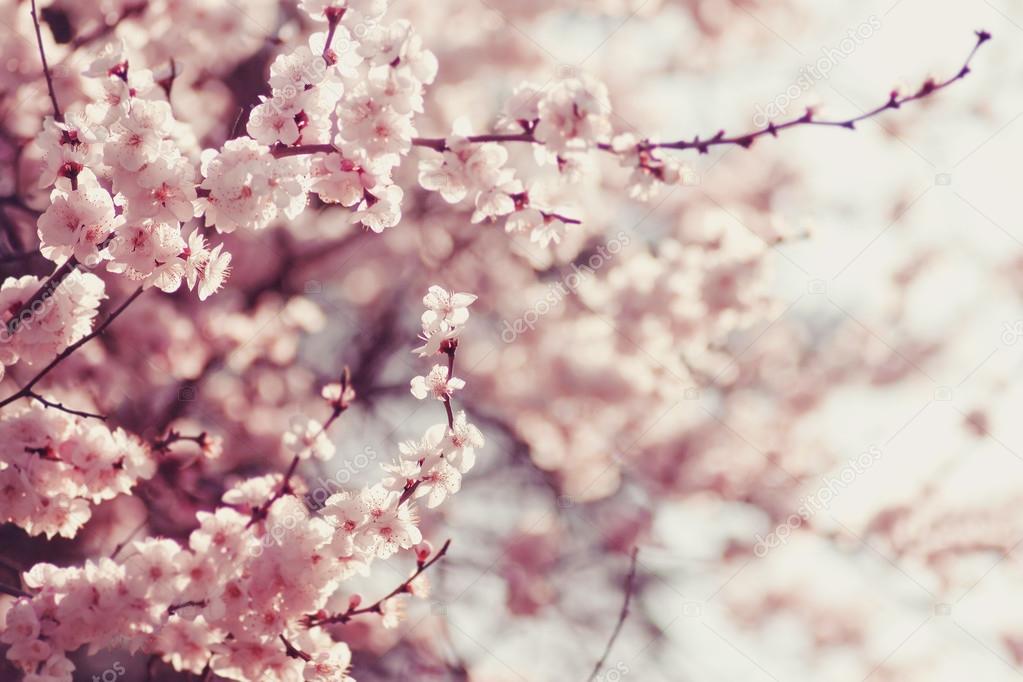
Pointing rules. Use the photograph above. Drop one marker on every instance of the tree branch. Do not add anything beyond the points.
(317, 619)
(62, 408)
(13, 591)
(47, 289)
(745, 140)
(630, 581)
(26, 390)
(57, 115)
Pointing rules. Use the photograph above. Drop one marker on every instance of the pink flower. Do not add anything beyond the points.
(78, 222)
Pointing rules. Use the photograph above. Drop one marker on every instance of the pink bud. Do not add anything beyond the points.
(354, 601)
(423, 550)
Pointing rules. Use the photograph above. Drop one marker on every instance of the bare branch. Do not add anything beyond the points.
(630, 581)
(62, 408)
(46, 66)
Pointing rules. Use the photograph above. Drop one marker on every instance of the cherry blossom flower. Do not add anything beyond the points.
(573, 114)
(68, 147)
(163, 190)
(306, 438)
(137, 138)
(437, 384)
(389, 527)
(380, 207)
(78, 221)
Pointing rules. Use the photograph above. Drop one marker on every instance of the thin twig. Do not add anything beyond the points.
(630, 581)
(172, 437)
(62, 408)
(27, 388)
(57, 115)
(124, 543)
(174, 608)
(744, 140)
(260, 512)
(294, 652)
(894, 101)
(317, 619)
(449, 350)
(13, 591)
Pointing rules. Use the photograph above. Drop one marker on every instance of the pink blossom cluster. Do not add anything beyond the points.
(34, 334)
(247, 596)
(54, 466)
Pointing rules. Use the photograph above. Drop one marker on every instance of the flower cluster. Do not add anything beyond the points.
(124, 180)
(35, 334)
(356, 95)
(53, 466)
(246, 596)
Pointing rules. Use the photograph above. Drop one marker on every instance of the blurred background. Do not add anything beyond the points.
(789, 380)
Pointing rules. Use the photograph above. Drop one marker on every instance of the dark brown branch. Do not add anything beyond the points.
(630, 581)
(449, 349)
(928, 88)
(174, 608)
(27, 388)
(745, 140)
(124, 543)
(62, 408)
(440, 144)
(47, 289)
(293, 652)
(317, 619)
(163, 445)
(260, 512)
(57, 115)
(13, 591)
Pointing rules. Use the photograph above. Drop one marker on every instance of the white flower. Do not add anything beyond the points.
(436, 383)
(214, 273)
(136, 138)
(380, 208)
(445, 308)
(523, 107)
(524, 220)
(163, 190)
(338, 180)
(78, 221)
(550, 230)
(249, 188)
(68, 147)
(292, 73)
(111, 62)
(306, 438)
(389, 527)
(462, 442)
(574, 114)
(148, 251)
(274, 120)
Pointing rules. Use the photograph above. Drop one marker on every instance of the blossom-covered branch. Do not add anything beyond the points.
(377, 607)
